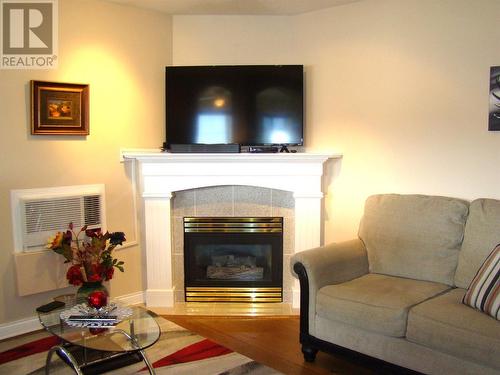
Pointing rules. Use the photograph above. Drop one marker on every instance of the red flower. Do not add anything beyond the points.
(67, 238)
(109, 273)
(94, 278)
(74, 275)
(93, 233)
(95, 273)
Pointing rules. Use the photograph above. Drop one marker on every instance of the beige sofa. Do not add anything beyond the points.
(395, 292)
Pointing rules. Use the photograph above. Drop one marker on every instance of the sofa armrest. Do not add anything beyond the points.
(334, 263)
(330, 264)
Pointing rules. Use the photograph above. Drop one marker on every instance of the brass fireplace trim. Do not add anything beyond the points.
(233, 225)
(225, 294)
(230, 219)
(232, 230)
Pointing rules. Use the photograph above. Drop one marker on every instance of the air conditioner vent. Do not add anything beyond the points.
(52, 215)
(42, 212)
(92, 210)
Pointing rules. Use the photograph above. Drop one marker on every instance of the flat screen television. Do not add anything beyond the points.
(248, 105)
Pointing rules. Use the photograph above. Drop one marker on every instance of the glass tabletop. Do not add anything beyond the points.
(135, 332)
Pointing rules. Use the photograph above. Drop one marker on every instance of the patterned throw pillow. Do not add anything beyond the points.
(484, 290)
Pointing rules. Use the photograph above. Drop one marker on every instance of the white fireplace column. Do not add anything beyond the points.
(308, 219)
(161, 174)
(159, 290)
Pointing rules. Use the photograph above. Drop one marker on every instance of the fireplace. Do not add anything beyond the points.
(161, 174)
(233, 259)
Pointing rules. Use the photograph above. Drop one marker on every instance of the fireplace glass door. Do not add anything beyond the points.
(233, 259)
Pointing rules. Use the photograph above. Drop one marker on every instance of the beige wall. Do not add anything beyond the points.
(212, 40)
(400, 87)
(121, 52)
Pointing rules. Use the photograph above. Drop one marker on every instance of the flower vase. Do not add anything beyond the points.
(88, 287)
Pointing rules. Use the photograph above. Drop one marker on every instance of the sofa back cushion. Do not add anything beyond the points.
(482, 233)
(414, 236)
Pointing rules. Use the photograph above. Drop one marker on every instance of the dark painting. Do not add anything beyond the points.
(494, 117)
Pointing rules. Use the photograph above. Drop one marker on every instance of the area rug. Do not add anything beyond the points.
(178, 352)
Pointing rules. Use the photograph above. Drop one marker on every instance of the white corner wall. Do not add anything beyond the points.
(399, 87)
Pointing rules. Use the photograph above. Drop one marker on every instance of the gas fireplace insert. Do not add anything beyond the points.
(233, 259)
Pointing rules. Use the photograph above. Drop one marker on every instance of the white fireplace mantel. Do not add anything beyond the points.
(162, 173)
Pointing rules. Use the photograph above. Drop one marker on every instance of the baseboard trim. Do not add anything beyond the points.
(19, 327)
(132, 298)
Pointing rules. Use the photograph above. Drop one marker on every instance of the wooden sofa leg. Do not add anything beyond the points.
(309, 353)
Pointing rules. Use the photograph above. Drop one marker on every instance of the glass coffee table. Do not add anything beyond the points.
(96, 350)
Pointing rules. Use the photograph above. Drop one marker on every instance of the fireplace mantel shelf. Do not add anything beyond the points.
(162, 174)
(152, 155)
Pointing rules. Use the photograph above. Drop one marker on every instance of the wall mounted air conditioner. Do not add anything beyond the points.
(38, 214)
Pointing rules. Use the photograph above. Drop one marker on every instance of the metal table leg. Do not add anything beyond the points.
(64, 353)
(146, 361)
(142, 353)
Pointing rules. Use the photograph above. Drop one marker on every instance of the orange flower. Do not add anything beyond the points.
(55, 241)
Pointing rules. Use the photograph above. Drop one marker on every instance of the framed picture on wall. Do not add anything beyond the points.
(494, 113)
(59, 108)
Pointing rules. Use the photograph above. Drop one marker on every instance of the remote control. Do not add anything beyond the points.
(83, 318)
(50, 306)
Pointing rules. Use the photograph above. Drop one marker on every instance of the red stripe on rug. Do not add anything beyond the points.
(195, 352)
(29, 348)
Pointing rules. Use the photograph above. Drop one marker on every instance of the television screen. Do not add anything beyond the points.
(248, 105)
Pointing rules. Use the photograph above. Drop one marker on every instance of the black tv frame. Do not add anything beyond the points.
(249, 146)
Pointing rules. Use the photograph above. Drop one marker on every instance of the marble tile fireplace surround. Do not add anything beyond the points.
(176, 185)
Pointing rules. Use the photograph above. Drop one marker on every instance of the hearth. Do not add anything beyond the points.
(233, 259)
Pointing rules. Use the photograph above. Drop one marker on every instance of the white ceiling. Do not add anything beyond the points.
(242, 7)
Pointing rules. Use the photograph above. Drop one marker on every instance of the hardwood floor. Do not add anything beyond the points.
(273, 341)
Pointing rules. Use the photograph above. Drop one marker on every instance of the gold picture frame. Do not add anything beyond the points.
(59, 108)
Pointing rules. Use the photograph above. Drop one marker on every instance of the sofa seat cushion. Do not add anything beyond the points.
(444, 323)
(378, 303)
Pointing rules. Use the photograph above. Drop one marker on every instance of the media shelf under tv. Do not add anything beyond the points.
(231, 148)
(223, 148)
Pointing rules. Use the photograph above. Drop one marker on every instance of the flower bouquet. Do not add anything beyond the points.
(90, 256)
